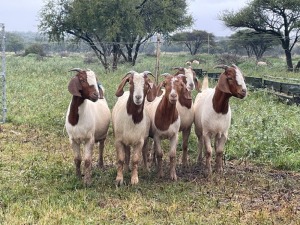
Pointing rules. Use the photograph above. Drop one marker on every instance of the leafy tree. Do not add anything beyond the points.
(194, 40)
(13, 42)
(279, 18)
(117, 27)
(253, 42)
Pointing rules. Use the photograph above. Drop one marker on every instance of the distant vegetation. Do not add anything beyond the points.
(39, 185)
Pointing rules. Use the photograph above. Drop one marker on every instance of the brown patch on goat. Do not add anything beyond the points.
(166, 113)
(81, 90)
(132, 109)
(227, 86)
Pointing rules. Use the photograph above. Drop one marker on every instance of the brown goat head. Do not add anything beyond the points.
(232, 81)
(84, 85)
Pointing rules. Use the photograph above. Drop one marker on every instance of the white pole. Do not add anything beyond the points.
(3, 75)
(157, 58)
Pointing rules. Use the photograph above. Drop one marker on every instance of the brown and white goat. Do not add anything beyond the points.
(131, 123)
(186, 109)
(213, 113)
(87, 120)
(165, 120)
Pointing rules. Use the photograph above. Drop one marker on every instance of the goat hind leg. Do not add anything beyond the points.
(101, 149)
(185, 139)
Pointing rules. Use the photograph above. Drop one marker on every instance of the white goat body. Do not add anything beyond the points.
(131, 122)
(91, 123)
(213, 113)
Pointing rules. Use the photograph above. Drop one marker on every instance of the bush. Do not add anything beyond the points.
(35, 49)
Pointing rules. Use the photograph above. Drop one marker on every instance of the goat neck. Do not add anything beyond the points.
(221, 101)
(74, 108)
(185, 101)
(137, 111)
(166, 114)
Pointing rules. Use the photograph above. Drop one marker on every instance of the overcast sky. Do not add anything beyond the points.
(22, 15)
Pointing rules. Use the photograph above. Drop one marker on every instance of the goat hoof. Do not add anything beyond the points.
(174, 177)
(119, 182)
(134, 180)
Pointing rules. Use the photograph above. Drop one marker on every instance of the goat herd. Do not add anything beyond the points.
(151, 111)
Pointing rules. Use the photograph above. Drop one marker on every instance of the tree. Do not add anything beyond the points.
(14, 42)
(194, 40)
(117, 27)
(279, 18)
(253, 42)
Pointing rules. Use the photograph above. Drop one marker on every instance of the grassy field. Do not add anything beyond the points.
(261, 183)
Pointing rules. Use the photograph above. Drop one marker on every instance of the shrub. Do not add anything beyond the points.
(35, 49)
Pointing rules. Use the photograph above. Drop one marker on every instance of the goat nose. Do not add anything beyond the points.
(173, 95)
(138, 97)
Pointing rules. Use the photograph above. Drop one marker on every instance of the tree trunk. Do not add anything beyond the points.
(289, 61)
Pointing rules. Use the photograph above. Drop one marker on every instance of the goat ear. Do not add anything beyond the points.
(196, 82)
(152, 92)
(223, 83)
(101, 94)
(75, 87)
(120, 90)
(187, 94)
(159, 91)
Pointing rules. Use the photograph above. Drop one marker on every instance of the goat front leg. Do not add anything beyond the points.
(219, 145)
(88, 153)
(208, 153)
(120, 162)
(77, 158)
(185, 139)
(135, 162)
(172, 155)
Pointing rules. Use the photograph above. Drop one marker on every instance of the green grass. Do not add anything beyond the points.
(38, 185)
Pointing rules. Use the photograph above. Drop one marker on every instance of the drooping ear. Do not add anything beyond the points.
(151, 92)
(120, 90)
(196, 82)
(101, 93)
(159, 91)
(187, 94)
(75, 87)
(223, 83)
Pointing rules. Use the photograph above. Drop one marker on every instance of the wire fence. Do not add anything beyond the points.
(3, 74)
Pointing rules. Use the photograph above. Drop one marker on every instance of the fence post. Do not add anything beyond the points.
(157, 59)
(4, 110)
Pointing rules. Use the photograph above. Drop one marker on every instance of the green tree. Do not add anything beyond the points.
(279, 18)
(254, 43)
(115, 27)
(195, 40)
(13, 42)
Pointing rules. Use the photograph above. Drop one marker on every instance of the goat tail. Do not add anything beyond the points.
(205, 83)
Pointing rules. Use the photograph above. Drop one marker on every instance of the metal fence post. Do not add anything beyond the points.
(4, 109)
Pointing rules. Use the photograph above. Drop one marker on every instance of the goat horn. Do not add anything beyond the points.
(225, 67)
(147, 73)
(177, 68)
(76, 70)
(130, 72)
